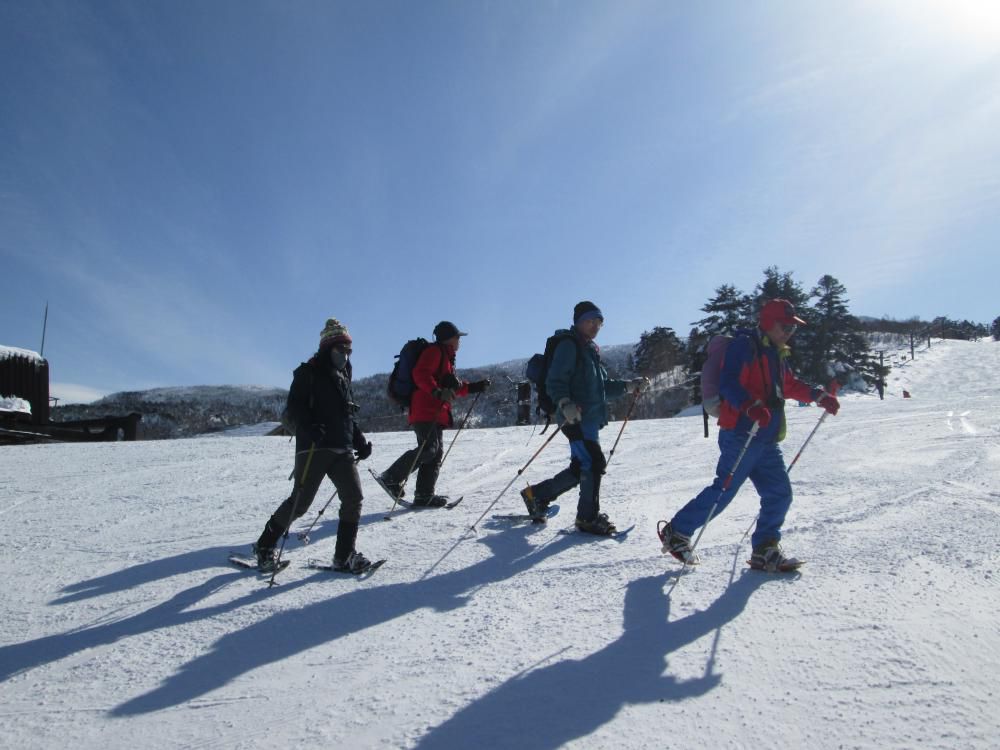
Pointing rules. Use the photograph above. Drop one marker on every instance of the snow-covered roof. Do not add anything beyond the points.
(14, 404)
(8, 352)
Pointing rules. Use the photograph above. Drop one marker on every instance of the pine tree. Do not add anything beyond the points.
(839, 345)
(728, 310)
(658, 351)
(778, 285)
(995, 329)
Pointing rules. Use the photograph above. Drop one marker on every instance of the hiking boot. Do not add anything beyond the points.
(677, 544)
(353, 563)
(769, 557)
(600, 526)
(537, 509)
(430, 501)
(267, 558)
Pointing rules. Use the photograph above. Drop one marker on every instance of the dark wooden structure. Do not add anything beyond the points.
(27, 377)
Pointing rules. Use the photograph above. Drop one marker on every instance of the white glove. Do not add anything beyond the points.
(571, 412)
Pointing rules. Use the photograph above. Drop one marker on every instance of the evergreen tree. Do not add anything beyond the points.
(728, 310)
(658, 351)
(778, 285)
(839, 345)
(995, 329)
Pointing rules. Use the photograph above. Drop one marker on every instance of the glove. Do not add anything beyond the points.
(448, 380)
(444, 394)
(479, 386)
(571, 412)
(638, 384)
(363, 451)
(317, 432)
(829, 402)
(758, 413)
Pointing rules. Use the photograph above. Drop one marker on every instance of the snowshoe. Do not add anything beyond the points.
(267, 558)
(769, 558)
(354, 563)
(430, 501)
(677, 544)
(392, 489)
(599, 526)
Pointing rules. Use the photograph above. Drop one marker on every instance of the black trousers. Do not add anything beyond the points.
(426, 462)
(310, 468)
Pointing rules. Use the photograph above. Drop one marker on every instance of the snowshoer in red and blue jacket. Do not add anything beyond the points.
(755, 381)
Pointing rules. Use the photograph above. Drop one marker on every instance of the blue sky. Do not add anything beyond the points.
(194, 187)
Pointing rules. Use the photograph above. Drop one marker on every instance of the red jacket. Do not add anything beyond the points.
(433, 364)
(753, 369)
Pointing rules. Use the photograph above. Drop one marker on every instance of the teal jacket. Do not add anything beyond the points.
(576, 372)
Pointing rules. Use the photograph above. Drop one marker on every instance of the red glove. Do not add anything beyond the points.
(829, 402)
(759, 414)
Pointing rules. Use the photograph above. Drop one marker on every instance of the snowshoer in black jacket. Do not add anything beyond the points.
(328, 442)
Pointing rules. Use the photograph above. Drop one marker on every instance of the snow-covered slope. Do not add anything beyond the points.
(124, 627)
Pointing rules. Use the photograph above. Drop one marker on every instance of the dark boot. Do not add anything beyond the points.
(346, 535)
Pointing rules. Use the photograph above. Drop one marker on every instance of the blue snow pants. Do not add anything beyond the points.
(763, 465)
(586, 466)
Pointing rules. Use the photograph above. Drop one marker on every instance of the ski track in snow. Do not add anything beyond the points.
(125, 627)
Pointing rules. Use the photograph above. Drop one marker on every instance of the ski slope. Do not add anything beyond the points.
(124, 626)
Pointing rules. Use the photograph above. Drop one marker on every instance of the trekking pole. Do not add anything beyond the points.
(628, 414)
(788, 470)
(304, 535)
(461, 427)
(833, 391)
(511, 482)
(725, 486)
(291, 518)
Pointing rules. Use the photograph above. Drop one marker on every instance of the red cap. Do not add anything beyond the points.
(779, 311)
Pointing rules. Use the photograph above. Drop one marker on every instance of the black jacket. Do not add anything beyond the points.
(322, 407)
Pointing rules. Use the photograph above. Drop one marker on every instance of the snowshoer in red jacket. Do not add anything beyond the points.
(430, 412)
(754, 384)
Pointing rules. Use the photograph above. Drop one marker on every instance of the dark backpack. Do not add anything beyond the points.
(400, 387)
(287, 423)
(537, 370)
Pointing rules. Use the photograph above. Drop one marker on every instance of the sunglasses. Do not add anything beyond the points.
(343, 349)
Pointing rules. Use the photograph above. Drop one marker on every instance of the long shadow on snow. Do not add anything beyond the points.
(188, 562)
(572, 698)
(294, 631)
(18, 657)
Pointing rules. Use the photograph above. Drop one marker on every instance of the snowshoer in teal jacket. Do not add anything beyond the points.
(579, 386)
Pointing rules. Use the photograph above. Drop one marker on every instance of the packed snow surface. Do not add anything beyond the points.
(124, 626)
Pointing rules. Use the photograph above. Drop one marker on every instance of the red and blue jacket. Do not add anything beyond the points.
(754, 369)
(434, 362)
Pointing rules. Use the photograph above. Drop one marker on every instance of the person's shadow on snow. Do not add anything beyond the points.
(184, 563)
(180, 609)
(553, 705)
(293, 631)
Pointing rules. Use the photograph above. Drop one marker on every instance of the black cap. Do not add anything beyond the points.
(447, 330)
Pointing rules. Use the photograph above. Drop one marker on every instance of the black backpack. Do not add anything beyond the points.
(400, 387)
(537, 370)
